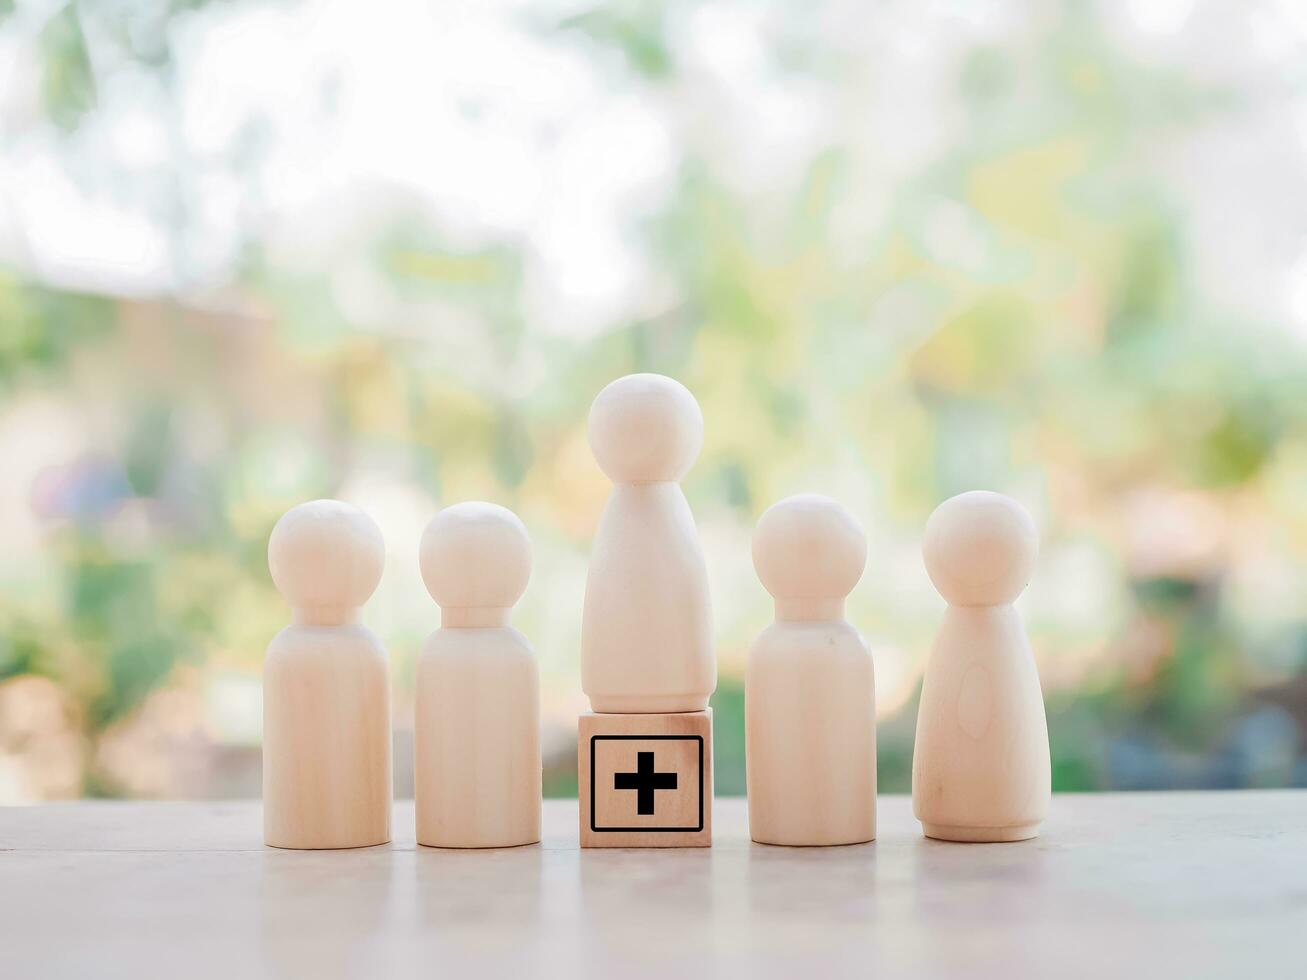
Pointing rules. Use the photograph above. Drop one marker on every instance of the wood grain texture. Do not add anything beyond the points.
(810, 723)
(326, 738)
(666, 759)
(477, 740)
(980, 767)
(1158, 885)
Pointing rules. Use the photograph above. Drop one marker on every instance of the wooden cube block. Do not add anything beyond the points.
(646, 780)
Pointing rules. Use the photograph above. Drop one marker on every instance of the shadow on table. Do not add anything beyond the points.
(480, 901)
(650, 906)
(320, 911)
(786, 884)
(979, 883)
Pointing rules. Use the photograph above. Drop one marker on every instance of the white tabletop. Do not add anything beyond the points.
(1156, 885)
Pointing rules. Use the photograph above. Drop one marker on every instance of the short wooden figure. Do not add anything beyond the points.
(326, 686)
(477, 717)
(980, 769)
(646, 629)
(646, 779)
(810, 689)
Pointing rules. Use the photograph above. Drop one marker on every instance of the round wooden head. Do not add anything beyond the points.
(980, 549)
(645, 428)
(326, 554)
(475, 556)
(809, 548)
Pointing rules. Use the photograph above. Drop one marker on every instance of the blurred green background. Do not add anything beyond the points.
(254, 253)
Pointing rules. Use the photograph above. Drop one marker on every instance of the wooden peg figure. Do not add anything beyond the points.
(477, 723)
(646, 629)
(326, 685)
(980, 768)
(810, 690)
(644, 753)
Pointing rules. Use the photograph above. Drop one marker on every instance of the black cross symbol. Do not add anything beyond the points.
(644, 781)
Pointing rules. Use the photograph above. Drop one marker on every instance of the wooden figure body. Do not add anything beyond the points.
(326, 686)
(477, 719)
(646, 632)
(980, 768)
(810, 690)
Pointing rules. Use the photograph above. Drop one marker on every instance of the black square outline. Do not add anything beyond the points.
(644, 738)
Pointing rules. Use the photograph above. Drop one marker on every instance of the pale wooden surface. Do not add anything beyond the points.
(1179, 885)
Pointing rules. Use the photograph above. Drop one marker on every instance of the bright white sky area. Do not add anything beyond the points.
(492, 123)
(299, 125)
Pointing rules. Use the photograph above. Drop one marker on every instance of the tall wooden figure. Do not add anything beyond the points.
(477, 719)
(980, 769)
(647, 663)
(326, 686)
(810, 690)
